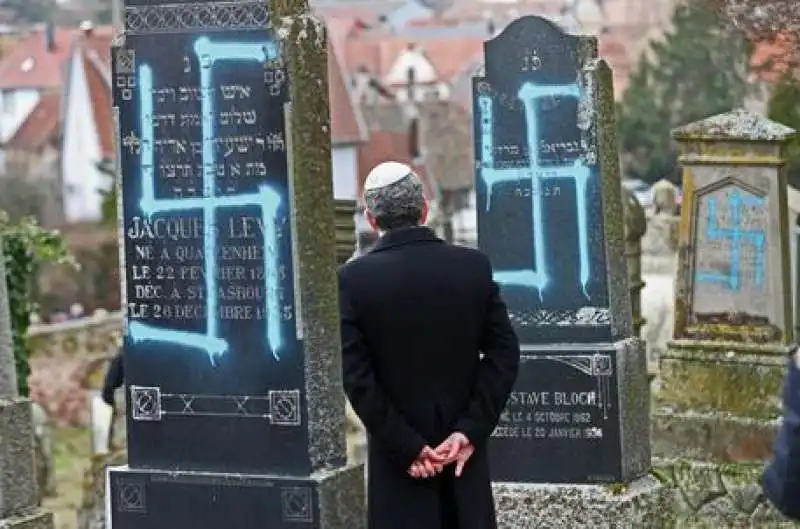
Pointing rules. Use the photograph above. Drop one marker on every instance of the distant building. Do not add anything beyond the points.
(51, 81)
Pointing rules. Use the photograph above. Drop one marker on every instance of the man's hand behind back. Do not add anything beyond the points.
(455, 449)
(428, 464)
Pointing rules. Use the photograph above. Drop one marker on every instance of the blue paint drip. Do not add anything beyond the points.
(537, 276)
(737, 236)
(267, 198)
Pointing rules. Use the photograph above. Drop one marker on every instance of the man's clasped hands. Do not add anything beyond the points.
(431, 461)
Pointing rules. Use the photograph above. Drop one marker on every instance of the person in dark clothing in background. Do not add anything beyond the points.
(115, 377)
(782, 476)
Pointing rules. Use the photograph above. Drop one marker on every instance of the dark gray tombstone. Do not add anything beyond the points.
(235, 409)
(550, 217)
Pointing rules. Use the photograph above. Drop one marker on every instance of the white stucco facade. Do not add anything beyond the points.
(345, 171)
(15, 106)
(82, 181)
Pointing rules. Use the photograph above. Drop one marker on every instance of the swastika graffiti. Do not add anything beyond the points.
(537, 275)
(267, 198)
(737, 235)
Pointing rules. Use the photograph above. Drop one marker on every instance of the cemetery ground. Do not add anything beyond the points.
(71, 452)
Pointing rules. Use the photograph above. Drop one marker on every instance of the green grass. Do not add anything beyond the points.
(71, 451)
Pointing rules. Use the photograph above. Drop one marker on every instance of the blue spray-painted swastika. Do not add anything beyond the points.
(736, 235)
(266, 198)
(536, 276)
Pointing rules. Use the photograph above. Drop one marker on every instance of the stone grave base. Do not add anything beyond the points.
(711, 436)
(18, 486)
(35, 520)
(716, 496)
(740, 379)
(644, 504)
(158, 499)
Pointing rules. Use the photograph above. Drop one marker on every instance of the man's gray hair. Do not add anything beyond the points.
(397, 205)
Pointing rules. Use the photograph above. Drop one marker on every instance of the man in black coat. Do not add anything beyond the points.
(429, 359)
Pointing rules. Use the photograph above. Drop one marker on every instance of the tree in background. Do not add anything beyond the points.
(21, 197)
(698, 69)
(784, 107)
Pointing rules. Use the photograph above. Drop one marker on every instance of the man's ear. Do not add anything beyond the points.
(425, 211)
(371, 220)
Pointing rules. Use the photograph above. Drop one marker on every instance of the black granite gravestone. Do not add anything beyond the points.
(211, 345)
(220, 419)
(545, 212)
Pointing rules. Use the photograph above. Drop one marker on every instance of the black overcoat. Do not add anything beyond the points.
(427, 349)
(782, 475)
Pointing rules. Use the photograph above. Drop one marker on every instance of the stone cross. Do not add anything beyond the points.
(19, 491)
(550, 217)
(236, 413)
(721, 376)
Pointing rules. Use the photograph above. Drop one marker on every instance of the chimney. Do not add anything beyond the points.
(411, 81)
(50, 36)
(490, 27)
(414, 150)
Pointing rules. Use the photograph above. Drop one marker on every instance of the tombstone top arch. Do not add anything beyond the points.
(535, 47)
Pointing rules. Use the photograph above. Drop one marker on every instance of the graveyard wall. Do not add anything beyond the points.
(62, 355)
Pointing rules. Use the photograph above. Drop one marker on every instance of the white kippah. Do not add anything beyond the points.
(385, 174)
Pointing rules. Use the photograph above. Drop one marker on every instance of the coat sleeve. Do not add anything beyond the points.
(382, 420)
(782, 476)
(497, 371)
(114, 378)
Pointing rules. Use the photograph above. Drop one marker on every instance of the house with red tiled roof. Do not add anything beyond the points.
(87, 123)
(55, 89)
(51, 80)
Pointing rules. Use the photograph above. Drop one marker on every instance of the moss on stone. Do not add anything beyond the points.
(746, 389)
(617, 489)
(734, 332)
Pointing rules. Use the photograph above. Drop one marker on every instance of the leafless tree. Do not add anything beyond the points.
(772, 21)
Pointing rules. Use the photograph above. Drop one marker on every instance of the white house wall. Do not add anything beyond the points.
(15, 106)
(424, 72)
(345, 172)
(81, 179)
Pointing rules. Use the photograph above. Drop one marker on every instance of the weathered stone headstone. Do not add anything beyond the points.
(19, 490)
(550, 217)
(235, 413)
(635, 223)
(721, 376)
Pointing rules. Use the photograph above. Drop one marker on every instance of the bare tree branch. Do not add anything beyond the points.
(768, 21)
